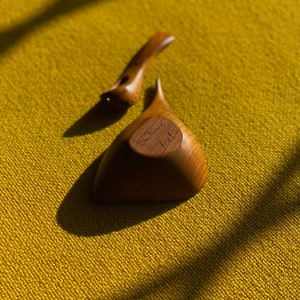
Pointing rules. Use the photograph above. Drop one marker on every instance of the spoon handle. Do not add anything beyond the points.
(155, 45)
(125, 92)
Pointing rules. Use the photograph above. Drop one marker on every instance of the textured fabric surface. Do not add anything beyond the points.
(232, 76)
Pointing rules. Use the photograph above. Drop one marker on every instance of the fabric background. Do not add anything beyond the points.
(232, 76)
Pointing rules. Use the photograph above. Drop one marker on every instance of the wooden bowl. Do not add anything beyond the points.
(155, 158)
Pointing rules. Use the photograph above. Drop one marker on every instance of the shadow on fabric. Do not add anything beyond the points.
(78, 215)
(102, 115)
(98, 117)
(15, 34)
(274, 204)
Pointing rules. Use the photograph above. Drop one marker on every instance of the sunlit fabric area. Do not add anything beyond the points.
(232, 76)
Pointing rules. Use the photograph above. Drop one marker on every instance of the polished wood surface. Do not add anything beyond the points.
(155, 158)
(126, 91)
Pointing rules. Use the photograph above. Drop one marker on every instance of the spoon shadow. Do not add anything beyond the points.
(98, 117)
(79, 216)
(102, 115)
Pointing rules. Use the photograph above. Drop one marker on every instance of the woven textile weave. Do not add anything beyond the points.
(232, 76)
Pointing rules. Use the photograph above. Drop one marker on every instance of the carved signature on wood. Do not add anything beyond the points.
(157, 136)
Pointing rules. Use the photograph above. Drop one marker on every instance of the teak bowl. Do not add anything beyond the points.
(155, 158)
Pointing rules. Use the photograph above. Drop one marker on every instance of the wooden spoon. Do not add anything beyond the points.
(155, 158)
(126, 91)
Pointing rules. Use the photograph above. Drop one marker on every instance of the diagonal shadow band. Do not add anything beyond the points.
(15, 34)
(273, 205)
(78, 215)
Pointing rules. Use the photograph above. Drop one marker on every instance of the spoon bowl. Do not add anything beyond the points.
(154, 159)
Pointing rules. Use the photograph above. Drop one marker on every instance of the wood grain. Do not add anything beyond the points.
(126, 91)
(155, 158)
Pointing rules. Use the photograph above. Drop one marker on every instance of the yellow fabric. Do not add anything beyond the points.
(232, 76)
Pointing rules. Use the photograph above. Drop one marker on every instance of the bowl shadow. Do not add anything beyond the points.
(78, 215)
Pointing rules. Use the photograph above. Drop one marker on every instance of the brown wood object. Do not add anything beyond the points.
(155, 158)
(126, 91)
